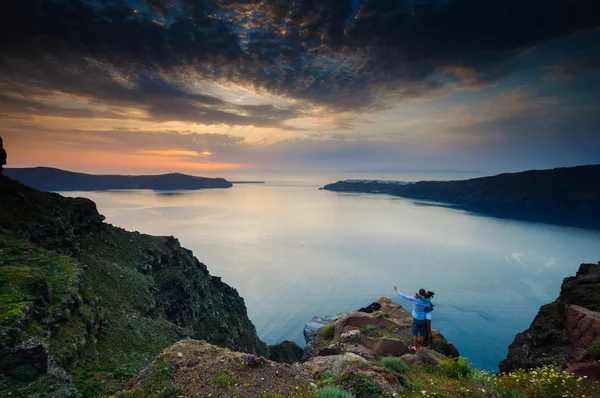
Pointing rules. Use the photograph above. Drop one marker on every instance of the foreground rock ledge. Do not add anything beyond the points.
(197, 368)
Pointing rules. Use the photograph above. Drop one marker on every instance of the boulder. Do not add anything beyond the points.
(358, 320)
(386, 346)
(425, 357)
(359, 349)
(441, 345)
(334, 364)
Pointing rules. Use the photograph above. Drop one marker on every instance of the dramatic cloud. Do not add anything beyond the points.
(282, 70)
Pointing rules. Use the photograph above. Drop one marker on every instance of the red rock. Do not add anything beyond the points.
(583, 327)
(359, 349)
(591, 369)
(386, 346)
(358, 320)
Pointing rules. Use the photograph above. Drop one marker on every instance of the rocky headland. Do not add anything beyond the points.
(55, 180)
(84, 305)
(562, 195)
(566, 332)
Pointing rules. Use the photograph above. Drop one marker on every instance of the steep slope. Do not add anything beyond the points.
(565, 331)
(96, 300)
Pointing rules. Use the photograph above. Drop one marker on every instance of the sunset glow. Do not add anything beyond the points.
(298, 92)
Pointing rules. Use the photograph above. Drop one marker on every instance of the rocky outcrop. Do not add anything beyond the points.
(193, 368)
(563, 330)
(85, 295)
(562, 195)
(2, 156)
(383, 332)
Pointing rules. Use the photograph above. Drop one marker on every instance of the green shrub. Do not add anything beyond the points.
(594, 349)
(455, 367)
(368, 329)
(332, 392)
(394, 363)
(359, 385)
(327, 331)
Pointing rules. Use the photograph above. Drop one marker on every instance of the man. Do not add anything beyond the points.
(418, 323)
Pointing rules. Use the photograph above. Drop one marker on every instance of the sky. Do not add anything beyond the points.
(222, 86)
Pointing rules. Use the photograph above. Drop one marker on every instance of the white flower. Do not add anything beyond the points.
(179, 354)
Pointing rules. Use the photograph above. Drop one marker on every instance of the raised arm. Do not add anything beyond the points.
(404, 296)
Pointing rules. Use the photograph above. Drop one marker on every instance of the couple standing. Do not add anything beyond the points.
(421, 312)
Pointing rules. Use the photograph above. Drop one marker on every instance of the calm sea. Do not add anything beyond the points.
(294, 252)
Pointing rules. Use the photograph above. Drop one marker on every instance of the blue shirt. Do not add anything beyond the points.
(418, 311)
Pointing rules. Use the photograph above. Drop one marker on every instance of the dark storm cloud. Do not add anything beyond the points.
(573, 68)
(342, 54)
(25, 85)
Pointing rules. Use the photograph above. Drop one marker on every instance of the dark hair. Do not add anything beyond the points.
(430, 294)
(421, 292)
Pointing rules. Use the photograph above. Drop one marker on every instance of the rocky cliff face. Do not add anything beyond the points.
(2, 156)
(564, 332)
(96, 300)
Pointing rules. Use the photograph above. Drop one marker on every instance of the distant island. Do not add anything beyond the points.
(51, 180)
(562, 195)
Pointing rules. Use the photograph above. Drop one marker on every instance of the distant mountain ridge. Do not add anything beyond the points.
(567, 195)
(51, 179)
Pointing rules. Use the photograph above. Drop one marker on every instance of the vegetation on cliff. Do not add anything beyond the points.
(80, 295)
(196, 368)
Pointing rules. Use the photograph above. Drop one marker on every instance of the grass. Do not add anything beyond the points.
(328, 331)
(223, 379)
(394, 363)
(544, 382)
(332, 392)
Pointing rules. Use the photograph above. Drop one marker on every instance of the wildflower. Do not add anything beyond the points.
(179, 354)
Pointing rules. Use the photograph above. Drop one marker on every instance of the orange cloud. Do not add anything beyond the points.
(110, 162)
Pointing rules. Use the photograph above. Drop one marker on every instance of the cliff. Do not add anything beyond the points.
(565, 332)
(84, 305)
(50, 179)
(563, 195)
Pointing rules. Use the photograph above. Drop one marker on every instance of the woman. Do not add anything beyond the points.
(426, 299)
